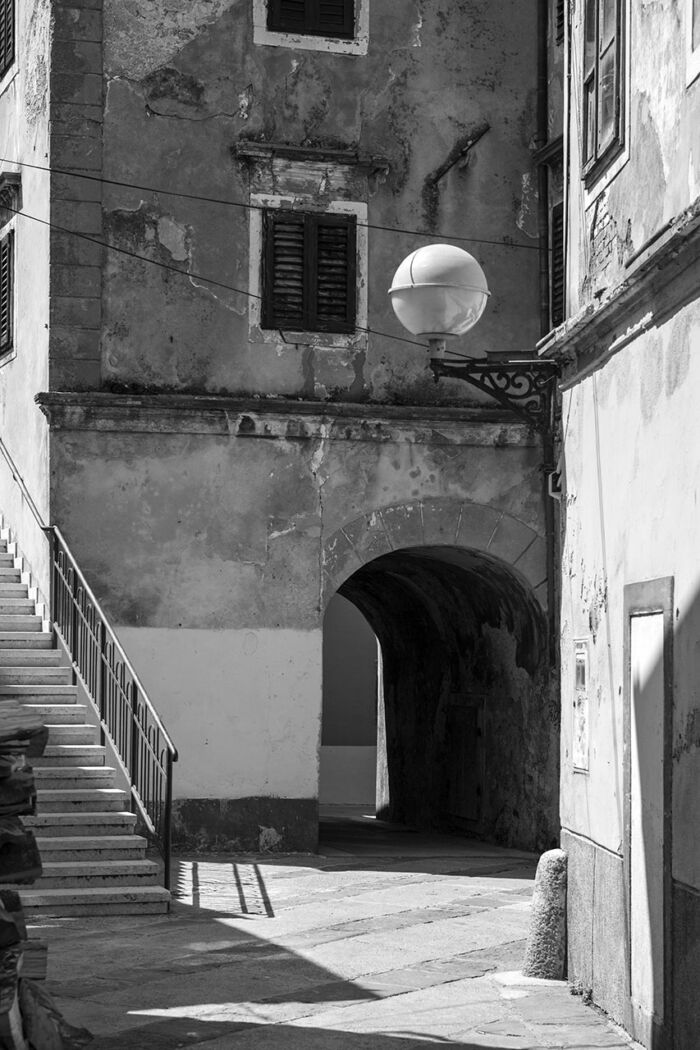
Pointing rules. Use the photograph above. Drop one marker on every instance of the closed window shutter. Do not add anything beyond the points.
(556, 279)
(283, 286)
(334, 18)
(7, 35)
(6, 292)
(335, 280)
(309, 272)
(560, 20)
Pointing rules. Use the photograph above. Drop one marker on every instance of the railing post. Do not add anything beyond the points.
(133, 772)
(168, 817)
(74, 616)
(101, 678)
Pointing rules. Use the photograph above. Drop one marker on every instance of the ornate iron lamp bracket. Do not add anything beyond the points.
(525, 387)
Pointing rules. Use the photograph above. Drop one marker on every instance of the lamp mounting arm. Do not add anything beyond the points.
(525, 387)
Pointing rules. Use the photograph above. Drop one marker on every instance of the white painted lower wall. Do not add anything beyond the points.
(348, 775)
(243, 707)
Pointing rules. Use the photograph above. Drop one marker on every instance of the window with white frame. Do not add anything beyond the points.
(7, 35)
(603, 84)
(9, 206)
(339, 26)
(692, 40)
(308, 270)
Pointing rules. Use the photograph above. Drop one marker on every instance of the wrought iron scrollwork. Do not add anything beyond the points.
(525, 387)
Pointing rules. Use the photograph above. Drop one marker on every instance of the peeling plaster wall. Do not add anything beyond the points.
(200, 546)
(632, 463)
(24, 126)
(192, 84)
(658, 173)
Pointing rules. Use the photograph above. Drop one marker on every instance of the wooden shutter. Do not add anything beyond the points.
(6, 292)
(309, 271)
(559, 20)
(283, 274)
(556, 271)
(333, 238)
(7, 35)
(335, 18)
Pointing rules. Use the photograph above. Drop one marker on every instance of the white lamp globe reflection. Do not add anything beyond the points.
(439, 291)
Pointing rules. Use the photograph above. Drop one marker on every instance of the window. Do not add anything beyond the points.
(693, 40)
(7, 35)
(309, 271)
(331, 18)
(6, 292)
(556, 266)
(602, 83)
(559, 20)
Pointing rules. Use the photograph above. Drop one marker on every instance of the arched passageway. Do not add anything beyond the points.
(468, 725)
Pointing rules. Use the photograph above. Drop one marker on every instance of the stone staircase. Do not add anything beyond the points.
(93, 863)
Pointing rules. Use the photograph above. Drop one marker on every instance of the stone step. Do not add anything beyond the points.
(19, 622)
(25, 640)
(83, 800)
(91, 848)
(71, 734)
(44, 694)
(102, 900)
(11, 575)
(35, 676)
(29, 657)
(70, 874)
(59, 755)
(11, 606)
(13, 590)
(73, 778)
(91, 825)
(7, 561)
(59, 714)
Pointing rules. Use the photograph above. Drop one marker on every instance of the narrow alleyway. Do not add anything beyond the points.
(388, 940)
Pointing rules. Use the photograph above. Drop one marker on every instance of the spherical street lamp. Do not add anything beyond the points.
(438, 292)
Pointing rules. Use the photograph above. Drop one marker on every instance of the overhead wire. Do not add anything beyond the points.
(246, 205)
(193, 275)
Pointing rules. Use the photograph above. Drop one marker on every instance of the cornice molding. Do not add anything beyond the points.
(661, 277)
(274, 419)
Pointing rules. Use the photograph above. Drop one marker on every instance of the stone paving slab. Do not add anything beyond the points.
(363, 951)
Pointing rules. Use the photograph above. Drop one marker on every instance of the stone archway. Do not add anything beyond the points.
(470, 730)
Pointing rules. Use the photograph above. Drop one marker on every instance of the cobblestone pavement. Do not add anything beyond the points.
(389, 940)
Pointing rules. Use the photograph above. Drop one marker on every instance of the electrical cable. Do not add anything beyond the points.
(252, 207)
(185, 273)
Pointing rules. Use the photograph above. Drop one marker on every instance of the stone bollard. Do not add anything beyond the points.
(545, 955)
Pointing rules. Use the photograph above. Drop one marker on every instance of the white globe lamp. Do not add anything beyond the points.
(439, 292)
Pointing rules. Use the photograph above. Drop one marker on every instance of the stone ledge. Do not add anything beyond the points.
(279, 419)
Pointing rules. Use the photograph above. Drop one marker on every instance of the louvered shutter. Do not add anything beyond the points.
(7, 35)
(309, 272)
(6, 292)
(334, 287)
(283, 275)
(335, 18)
(556, 272)
(560, 17)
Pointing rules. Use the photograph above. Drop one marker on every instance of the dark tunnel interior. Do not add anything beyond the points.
(469, 733)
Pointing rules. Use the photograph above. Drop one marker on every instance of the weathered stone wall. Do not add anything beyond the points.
(214, 538)
(196, 87)
(24, 126)
(631, 460)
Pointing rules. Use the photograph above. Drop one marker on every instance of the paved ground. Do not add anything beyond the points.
(387, 941)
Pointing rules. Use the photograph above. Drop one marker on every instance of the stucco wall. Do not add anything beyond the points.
(24, 139)
(195, 86)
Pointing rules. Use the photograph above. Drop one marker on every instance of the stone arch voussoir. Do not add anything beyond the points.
(435, 522)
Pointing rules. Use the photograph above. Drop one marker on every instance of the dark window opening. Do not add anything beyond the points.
(333, 18)
(6, 292)
(559, 20)
(603, 87)
(557, 286)
(309, 271)
(7, 35)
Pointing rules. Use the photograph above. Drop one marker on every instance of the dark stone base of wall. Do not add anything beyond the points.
(686, 967)
(597, 932)
(251, 825)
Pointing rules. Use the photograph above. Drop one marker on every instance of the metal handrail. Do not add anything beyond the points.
(127, 716)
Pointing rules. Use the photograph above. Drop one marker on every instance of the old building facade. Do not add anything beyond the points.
(207, 390)
(629, 613)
